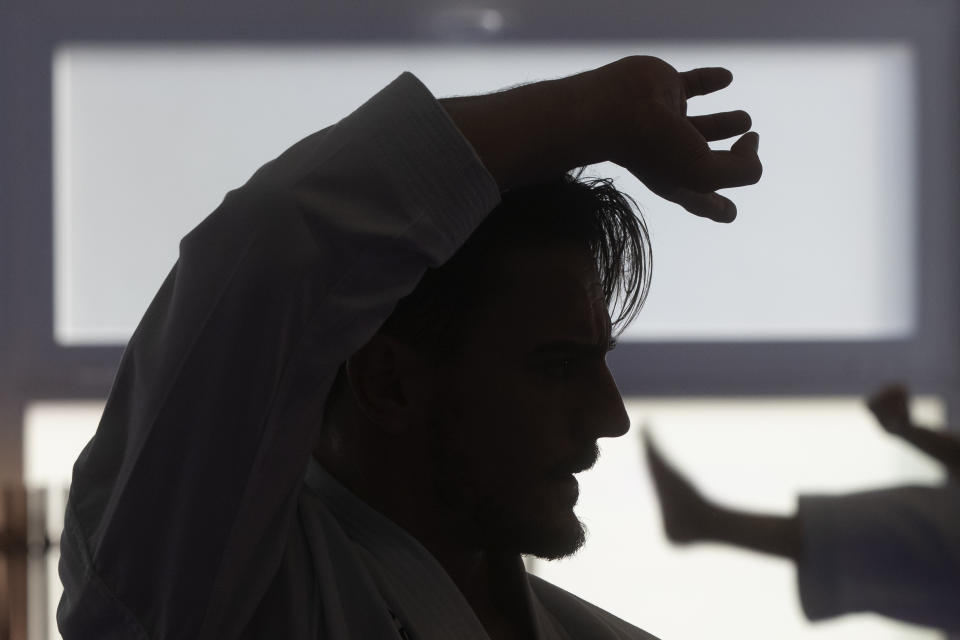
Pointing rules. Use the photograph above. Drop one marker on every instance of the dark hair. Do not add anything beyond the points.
(589, 212)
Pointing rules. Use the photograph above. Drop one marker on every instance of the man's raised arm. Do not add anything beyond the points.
(181, 505)
(631, 112)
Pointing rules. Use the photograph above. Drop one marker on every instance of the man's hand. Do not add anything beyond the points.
(632, 112)
(669, 151)
(889, 406)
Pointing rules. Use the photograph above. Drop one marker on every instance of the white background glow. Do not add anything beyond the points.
(149, 138)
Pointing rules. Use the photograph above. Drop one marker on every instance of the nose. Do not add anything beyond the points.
(606, 416)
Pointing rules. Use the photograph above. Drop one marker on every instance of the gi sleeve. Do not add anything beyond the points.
(190, 482)
(892, 551)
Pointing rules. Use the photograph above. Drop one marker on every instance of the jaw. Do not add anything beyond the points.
(541, 523)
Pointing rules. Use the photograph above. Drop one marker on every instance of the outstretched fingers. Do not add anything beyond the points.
(712, 170)
(706, 205)
(696, 182)
(720, 126)
(700, 82)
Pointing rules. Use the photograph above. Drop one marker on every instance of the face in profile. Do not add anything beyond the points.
(520, 410)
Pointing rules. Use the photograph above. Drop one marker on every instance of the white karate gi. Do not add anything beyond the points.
(189, 516)
(891, 551)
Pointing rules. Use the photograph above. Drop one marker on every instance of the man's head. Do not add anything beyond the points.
(588, 214)
(490, 377)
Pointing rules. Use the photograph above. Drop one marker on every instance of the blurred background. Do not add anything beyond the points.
(124, 125)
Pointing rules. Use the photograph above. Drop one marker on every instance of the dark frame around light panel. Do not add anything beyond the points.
(34, 367)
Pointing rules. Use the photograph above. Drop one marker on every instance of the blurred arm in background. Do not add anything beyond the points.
(892, 551)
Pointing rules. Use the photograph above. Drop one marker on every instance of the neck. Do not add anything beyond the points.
(493, 583)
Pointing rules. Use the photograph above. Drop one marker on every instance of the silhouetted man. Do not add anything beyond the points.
(420, 296)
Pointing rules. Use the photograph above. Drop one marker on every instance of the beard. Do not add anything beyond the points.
(497, 512)
(503, 527)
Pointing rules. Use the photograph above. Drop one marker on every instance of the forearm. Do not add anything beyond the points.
(531, 132)
(765, 533)
(937, 444)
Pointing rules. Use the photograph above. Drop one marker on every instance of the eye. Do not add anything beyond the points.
(560, 368)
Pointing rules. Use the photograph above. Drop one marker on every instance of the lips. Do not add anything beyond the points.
(580, 462)
(569, 489)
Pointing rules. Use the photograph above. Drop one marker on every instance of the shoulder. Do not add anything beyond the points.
(581, 619)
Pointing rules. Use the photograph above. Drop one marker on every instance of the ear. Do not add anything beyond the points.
(390, 383)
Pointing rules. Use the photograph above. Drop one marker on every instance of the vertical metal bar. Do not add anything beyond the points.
(38, 543)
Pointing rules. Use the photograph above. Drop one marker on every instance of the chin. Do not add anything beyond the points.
(517, 518)
(559, 541)
(548, 538)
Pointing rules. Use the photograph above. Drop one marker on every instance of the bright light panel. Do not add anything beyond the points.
(147, 139)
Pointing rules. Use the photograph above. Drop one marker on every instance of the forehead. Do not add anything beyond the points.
(542, 294)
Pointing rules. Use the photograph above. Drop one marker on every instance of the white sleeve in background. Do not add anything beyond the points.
(895, 552)
(183, 502)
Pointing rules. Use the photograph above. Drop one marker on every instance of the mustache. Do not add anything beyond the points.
(581, 461)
